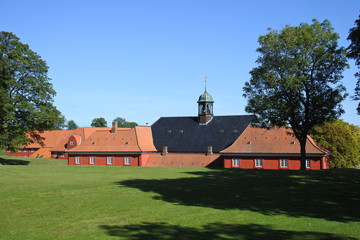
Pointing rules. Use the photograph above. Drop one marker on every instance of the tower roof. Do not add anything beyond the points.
(205, 97)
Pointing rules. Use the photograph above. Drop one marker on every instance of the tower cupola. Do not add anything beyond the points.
(205, 106)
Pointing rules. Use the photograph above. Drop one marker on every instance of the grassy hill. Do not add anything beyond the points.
(47, 199)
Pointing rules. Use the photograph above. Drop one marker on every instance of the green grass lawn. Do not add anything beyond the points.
(46, 199)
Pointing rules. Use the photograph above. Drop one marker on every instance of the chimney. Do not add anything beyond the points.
(114, 127)
(165, 151)
(209, 151)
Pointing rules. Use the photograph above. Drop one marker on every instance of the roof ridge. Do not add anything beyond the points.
(137, 138)
(320, 148)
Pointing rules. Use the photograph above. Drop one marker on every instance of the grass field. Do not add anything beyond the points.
(46, 199)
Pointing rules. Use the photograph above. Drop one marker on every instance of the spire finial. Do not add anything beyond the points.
(205, 79)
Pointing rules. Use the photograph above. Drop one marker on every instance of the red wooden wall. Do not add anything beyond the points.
(118, 160)
(21, 153)
(274, 163)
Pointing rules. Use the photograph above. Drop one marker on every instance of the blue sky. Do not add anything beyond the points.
(142, 59)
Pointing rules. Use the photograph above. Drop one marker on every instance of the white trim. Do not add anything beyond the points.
(78, 160)
(235, 162)
(92, 160)
(127, 161)
(258, 162)
(109, 160)
(308, 163)
(284, 163)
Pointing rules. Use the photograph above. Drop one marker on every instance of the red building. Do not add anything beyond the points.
(117, 147)
(274, 148)
(55, 143)
(201, 141)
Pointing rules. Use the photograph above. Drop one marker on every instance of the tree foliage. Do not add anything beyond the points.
(26, 94)
(354, 53)
(99, 122)
(60, 123)
(124, 124)
(342, 139)
(71, 125)
(297, 81)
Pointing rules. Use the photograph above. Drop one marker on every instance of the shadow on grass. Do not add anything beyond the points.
(216, 231)
(4, 161)
(331, 194)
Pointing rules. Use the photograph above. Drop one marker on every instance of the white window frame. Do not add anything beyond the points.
(71, 143)
(258, 162)
(78, 160)
(127, 161)
(284, 163)
(109, 160)
(92, 160)
(62, 155)
(235, 162)
(308, 163)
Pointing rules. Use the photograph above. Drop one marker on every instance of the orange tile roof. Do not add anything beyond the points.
(137, 139)
(56, 139)
(43, 152)
(274, 140)
(51, 138)
(181, 160)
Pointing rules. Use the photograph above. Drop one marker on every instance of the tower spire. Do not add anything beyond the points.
(205, 79)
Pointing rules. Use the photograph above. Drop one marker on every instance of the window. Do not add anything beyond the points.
(77, 160)
(109, 160)
(71, 143)
(25, 150)
(258, 162)
(307, 163)
(283, 163)
(55, 155)
(92, 160)
(236, 162)
(62, 155)
(32, 150)
(127, 161)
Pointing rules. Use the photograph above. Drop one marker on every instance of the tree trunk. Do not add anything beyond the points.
(303, 154)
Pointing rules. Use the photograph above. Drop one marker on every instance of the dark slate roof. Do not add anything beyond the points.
(185, 134)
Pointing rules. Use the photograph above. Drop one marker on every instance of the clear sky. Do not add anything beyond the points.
(144, 59)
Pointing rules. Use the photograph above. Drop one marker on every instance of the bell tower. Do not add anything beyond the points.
(205, 106)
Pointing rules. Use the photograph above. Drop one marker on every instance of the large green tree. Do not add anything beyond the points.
(354, 53)
(99, 122)
(26, 94)
(124, 124)
(342, 139)
(297, 81)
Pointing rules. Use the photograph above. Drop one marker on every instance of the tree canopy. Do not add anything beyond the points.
(60, 123)
(124, 124)
(99, 122)
(26, 94)
(342, 139)
(297, 81)
(354, 53)
(71, 125)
